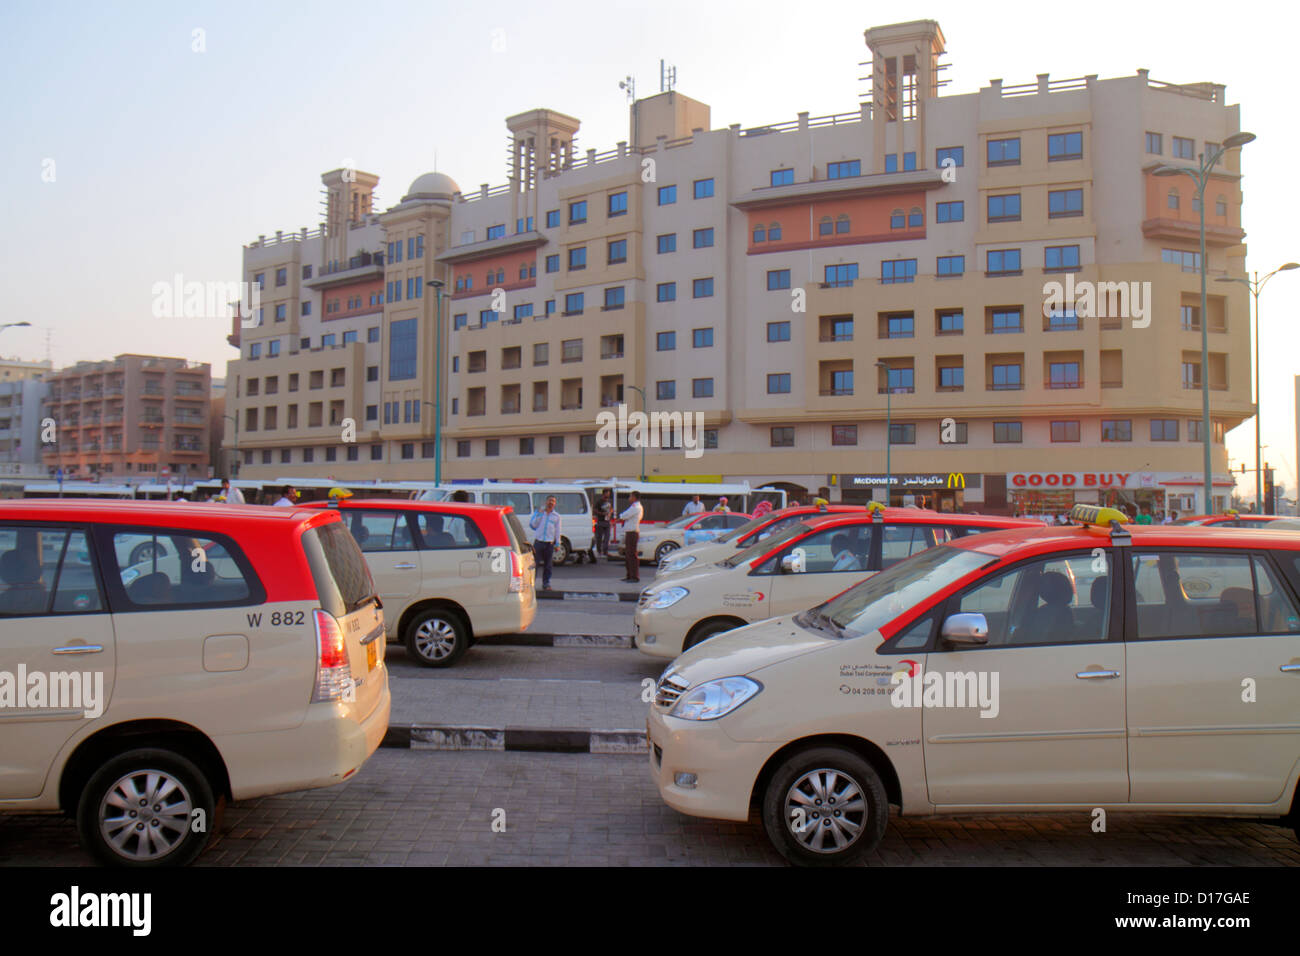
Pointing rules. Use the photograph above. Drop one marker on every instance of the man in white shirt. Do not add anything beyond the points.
(631, 519)
(287, 497)
(546, 528)
(845, 559)
(693, 507)
(232, 494)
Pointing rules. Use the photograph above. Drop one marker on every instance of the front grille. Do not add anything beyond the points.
(671, 687)
(659, 755)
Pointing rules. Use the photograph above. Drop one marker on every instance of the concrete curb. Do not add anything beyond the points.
(556, 640)
(611, 596)
(571, 740)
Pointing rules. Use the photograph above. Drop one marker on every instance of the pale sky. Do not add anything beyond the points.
(167, 160)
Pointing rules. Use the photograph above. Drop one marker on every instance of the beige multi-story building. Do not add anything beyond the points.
(921, 268)
(22, 392)
(135, 417)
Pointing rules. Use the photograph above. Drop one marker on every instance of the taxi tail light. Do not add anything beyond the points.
(333, 670)
(516, 572)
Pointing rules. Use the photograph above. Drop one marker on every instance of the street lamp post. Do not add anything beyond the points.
(889, 434)
(645, 439)
(1200, 175)
(1255, 284)
(437, 383)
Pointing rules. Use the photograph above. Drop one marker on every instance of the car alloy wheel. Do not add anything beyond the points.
(825, 810)
(825, 806)
(436, 639)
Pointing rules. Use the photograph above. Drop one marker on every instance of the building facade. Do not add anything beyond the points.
(993, 284)
(132, 418)
(22, 394)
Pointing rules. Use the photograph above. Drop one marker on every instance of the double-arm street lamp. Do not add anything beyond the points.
(889, 434)
(645, 440)
(1201, 176)
(1255, 284)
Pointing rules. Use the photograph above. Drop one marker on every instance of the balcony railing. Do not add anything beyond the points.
(836, 391)
(841, 337)
(1006, 387)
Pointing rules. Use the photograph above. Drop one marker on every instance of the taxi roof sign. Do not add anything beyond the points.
(1101, 518)
(876, 510)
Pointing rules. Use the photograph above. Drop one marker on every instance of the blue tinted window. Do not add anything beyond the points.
(956, 153)
(402, 349)
(778, 279)
(667, 195)
(703, 188)
(778, 331)
(702, 288)
(950, 265)
(950, 212)
(782, 177)
(668, 243)
(666, 292)
(897, 270)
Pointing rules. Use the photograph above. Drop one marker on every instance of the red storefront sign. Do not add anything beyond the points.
(1070, 479)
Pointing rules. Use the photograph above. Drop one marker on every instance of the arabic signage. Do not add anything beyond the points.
(954, 479)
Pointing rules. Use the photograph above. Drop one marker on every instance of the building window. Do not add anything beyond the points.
(667, 195)
(1064, 146)
(303, 309)
(703, 188)
(587, 443)
(1063, 375)
(523, 310)
(778, 383)
(1062, 203)
(1065, 431)
(842, 224)
(897, 220)
(1220, 207)
(950, 266)
(702, 288)
(701, 388)
(553, 219)
(1155, 143)
(778, 279)
(492, 447)
(1116, 429)
(909, 162)
(702, 338)
(273, 348)
(959, 434)
(1187, 261)
(891, 163)
(614, 298)
(1164, 429)
(402, 349)
(955, 153)
(844, 434)
(666, 292)
(665, 341)
(899, 327)
(782, 437)
(950, 212)
(573, 303)
(617, 251)
(486, 316)
(893, 271)
(902, 434)
(1004, 152)
(1006, 378)
(1184, 148)
(760, 233)
(463, 445)
(553, 263)
(1007, 433)
(1062, 320)
(949, 322)
(1061, 258)
(577, 212)
(577, 258)
(1006, 320)
(778, 331)
(774, 232)
(782, 177)
(555, 444)
(617, 204)
(1190, 318)
(899, 381)
(665, 390)
(826, 226)
(1004, 208)
(493, 232)
(702, 238)
(1003, 262)
(668, 243)
(952, 378)
(571, 350)
(841, 276)
(844, 169)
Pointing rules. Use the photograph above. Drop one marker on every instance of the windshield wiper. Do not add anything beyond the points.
(818, 620)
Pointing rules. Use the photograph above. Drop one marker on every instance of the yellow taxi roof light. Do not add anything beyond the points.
(1094, 515)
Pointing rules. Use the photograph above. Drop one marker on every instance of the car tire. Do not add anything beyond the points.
(180, 788)
(665, 549)
(436, 638)
(796, 785)
(145, 550)
(712, 629)
(563, 551)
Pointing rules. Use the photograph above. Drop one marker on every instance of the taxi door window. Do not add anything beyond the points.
(189, 570)
(734, 521)
(379, 530)
(1277, 612)
(1059, 600)
(444, 532)
(771, 529)
(46, 571)
(901, 541)
(1209, 594)
(843, 548)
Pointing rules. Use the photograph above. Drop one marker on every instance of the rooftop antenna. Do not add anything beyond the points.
(629, 84)
(667, 77)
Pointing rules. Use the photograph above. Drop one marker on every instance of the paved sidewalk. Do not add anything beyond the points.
(522, 702)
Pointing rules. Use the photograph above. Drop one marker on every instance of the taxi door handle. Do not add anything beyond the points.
(1097, 675)
(403, 567)
(1290, 668)
(79, 649)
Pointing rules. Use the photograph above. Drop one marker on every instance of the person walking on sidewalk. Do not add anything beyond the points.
(604, 511)
(631, 519)
(546, 527)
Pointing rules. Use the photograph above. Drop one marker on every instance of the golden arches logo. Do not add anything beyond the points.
(956, 479)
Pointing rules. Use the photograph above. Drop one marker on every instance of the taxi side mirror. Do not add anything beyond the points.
(965, 629)
(793, 563)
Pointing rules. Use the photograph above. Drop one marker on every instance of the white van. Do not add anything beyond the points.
(577, 536)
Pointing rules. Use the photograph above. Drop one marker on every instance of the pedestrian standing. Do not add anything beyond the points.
(232, 495)
(693, 507)
(721, 506)
(546, 526)
(631, 519)
(288, 495)
(604, 511)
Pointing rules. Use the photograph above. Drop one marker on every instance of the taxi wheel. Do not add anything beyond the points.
(139, 810)
(706, 631)
(825, 807)
(436, 638)
(561, 552)
(665, 549)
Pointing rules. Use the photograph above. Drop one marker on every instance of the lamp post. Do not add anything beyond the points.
(1255, 284)
(645, 440)
(889, 434)
(1200, 175)
(437, 383)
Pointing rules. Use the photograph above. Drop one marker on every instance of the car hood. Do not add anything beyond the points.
(749, 649)
(689, 578)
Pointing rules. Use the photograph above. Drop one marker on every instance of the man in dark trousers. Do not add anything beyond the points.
(631, 519)
(604, 511)
(546, 534)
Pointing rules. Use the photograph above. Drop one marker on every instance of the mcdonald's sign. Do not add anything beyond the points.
(956, 479)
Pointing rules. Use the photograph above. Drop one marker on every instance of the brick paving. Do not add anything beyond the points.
(419, 808)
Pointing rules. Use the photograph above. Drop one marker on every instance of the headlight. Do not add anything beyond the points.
(666, 598)
(715, 698)
(676, 564)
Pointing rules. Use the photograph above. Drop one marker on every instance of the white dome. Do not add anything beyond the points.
(432, 186)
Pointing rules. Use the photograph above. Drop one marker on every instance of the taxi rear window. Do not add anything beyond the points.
(516, 530)
(338, 567)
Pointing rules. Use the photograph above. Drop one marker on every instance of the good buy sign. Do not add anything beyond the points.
(1070, 479)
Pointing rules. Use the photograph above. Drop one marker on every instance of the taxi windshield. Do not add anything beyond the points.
(881, 598)
(760, 548)
(744, 529)
(681, 522)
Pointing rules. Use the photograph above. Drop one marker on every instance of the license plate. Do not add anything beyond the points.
(372, 654)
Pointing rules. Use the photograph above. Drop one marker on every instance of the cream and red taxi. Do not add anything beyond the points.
(805, 563)
(1131, 668)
